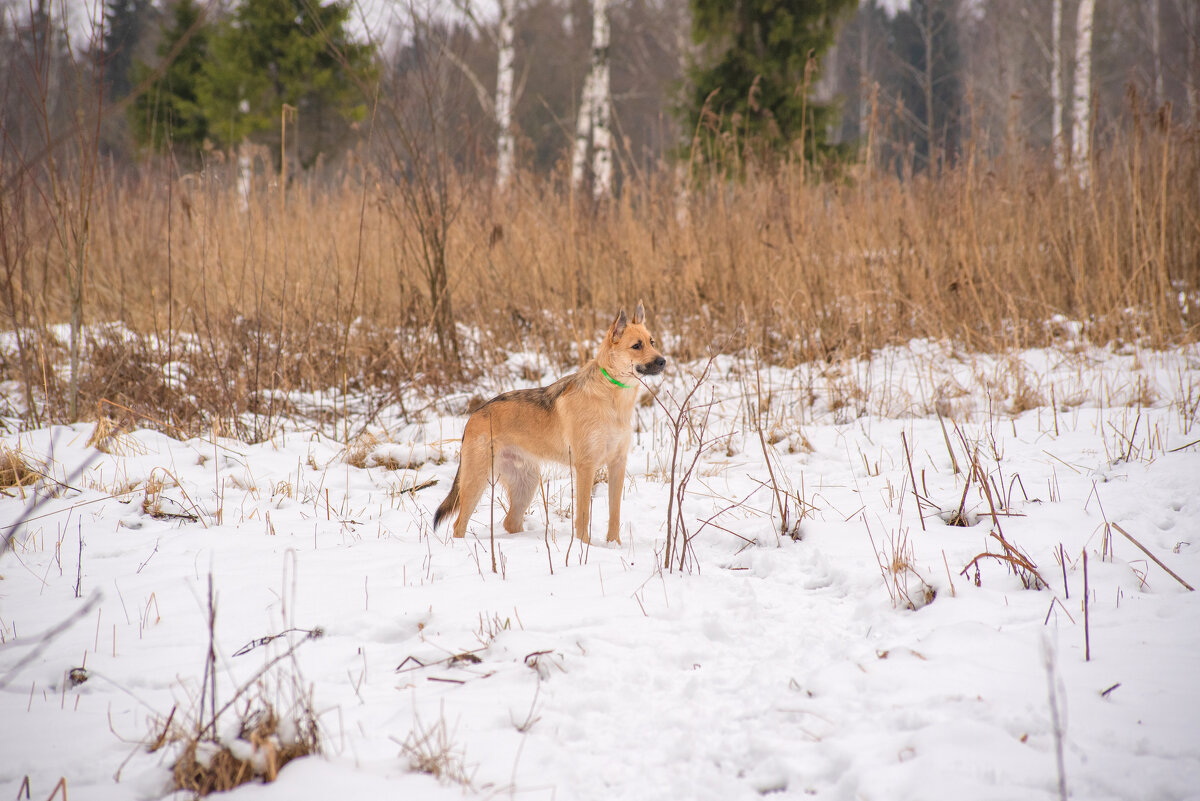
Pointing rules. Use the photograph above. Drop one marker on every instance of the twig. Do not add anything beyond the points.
(1157, 561)
(913, 477)
(949, 449)
(62, 785)
(1087, 636)
(309, 634)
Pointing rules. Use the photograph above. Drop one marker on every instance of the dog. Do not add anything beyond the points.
(583, 421)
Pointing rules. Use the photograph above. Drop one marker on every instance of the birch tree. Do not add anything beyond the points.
(583, 133)
(505, 157)
(595, 112)
(1081, 128)
(1056, 97)
(499, 105)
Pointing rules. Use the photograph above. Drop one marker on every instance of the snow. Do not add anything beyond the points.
(766, 665)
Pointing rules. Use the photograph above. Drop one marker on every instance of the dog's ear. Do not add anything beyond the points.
(640, 315)
(617, 328)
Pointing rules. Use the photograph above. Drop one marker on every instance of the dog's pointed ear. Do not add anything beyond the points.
(640, 315)
(618, 327)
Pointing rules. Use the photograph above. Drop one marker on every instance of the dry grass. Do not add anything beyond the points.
(225, 312)
(359, 452)
(262, 749)
(15, 472)
(897, 565)
(432, 750)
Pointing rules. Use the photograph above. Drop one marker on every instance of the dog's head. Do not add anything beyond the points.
(629, 347)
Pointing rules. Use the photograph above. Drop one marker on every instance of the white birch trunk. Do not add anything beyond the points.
(592, 125)
(602, 158)
(1057, 143)
(505, 156)
(1081, 132)
(583, 133)
(245, 176)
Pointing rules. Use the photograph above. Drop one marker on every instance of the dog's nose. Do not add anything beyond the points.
(660, 363)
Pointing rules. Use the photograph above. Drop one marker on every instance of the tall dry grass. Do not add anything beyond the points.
(224, 311)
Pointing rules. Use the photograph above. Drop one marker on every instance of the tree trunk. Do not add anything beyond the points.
(927, 86)
(505, 158)
(1057, 143)
(583, 133)
(1188, 18)
(602, 159)
(1156, 45)
(595, 104)
(1081, 150)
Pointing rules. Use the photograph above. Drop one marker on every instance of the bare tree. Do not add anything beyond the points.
(583, 133)
(602, 168)
(1156, 47)
(498, 106)
(1057, 143)
(595, 111)
(1189, 16)
(1081, 129)
(505, 156)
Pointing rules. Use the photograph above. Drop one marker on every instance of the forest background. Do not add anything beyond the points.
(206, 207)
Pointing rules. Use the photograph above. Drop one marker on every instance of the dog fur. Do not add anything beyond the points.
(583, 421)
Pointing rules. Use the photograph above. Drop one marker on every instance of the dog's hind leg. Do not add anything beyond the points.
(473, 474)
(520, 478)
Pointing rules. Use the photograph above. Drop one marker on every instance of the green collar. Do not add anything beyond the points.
(613, 380)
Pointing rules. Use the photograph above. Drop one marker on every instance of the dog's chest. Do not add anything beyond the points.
(604, 428)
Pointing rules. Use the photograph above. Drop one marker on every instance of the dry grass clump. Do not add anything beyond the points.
(431, 750)
(369, 450)
(262, 747)
(14, 470)
(905, 586)
(358, 453)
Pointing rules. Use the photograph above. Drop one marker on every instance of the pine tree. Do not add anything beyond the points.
(293, 52)
(168, 114)
(752, 70)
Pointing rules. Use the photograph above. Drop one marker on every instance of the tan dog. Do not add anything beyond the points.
(582, 421)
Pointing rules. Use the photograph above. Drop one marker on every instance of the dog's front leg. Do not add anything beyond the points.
(585, 477)
(616, 481)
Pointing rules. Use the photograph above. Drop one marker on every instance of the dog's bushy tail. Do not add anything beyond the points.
(450, 505)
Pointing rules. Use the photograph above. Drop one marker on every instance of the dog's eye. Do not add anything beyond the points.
(637, 345)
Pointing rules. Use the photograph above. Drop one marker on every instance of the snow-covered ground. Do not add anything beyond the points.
(765, 664)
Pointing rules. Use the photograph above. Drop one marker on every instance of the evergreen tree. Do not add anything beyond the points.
(752, 70)
(168, 114)
(124, 26)
(294, 52)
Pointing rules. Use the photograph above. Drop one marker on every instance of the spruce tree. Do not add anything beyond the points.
(124, 26)
(294, 52)
(168, 115)
(750, 79)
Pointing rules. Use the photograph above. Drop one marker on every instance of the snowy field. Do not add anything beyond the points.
(865, 653)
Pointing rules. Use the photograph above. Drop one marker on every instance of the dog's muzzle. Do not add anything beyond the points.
(652, 368)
